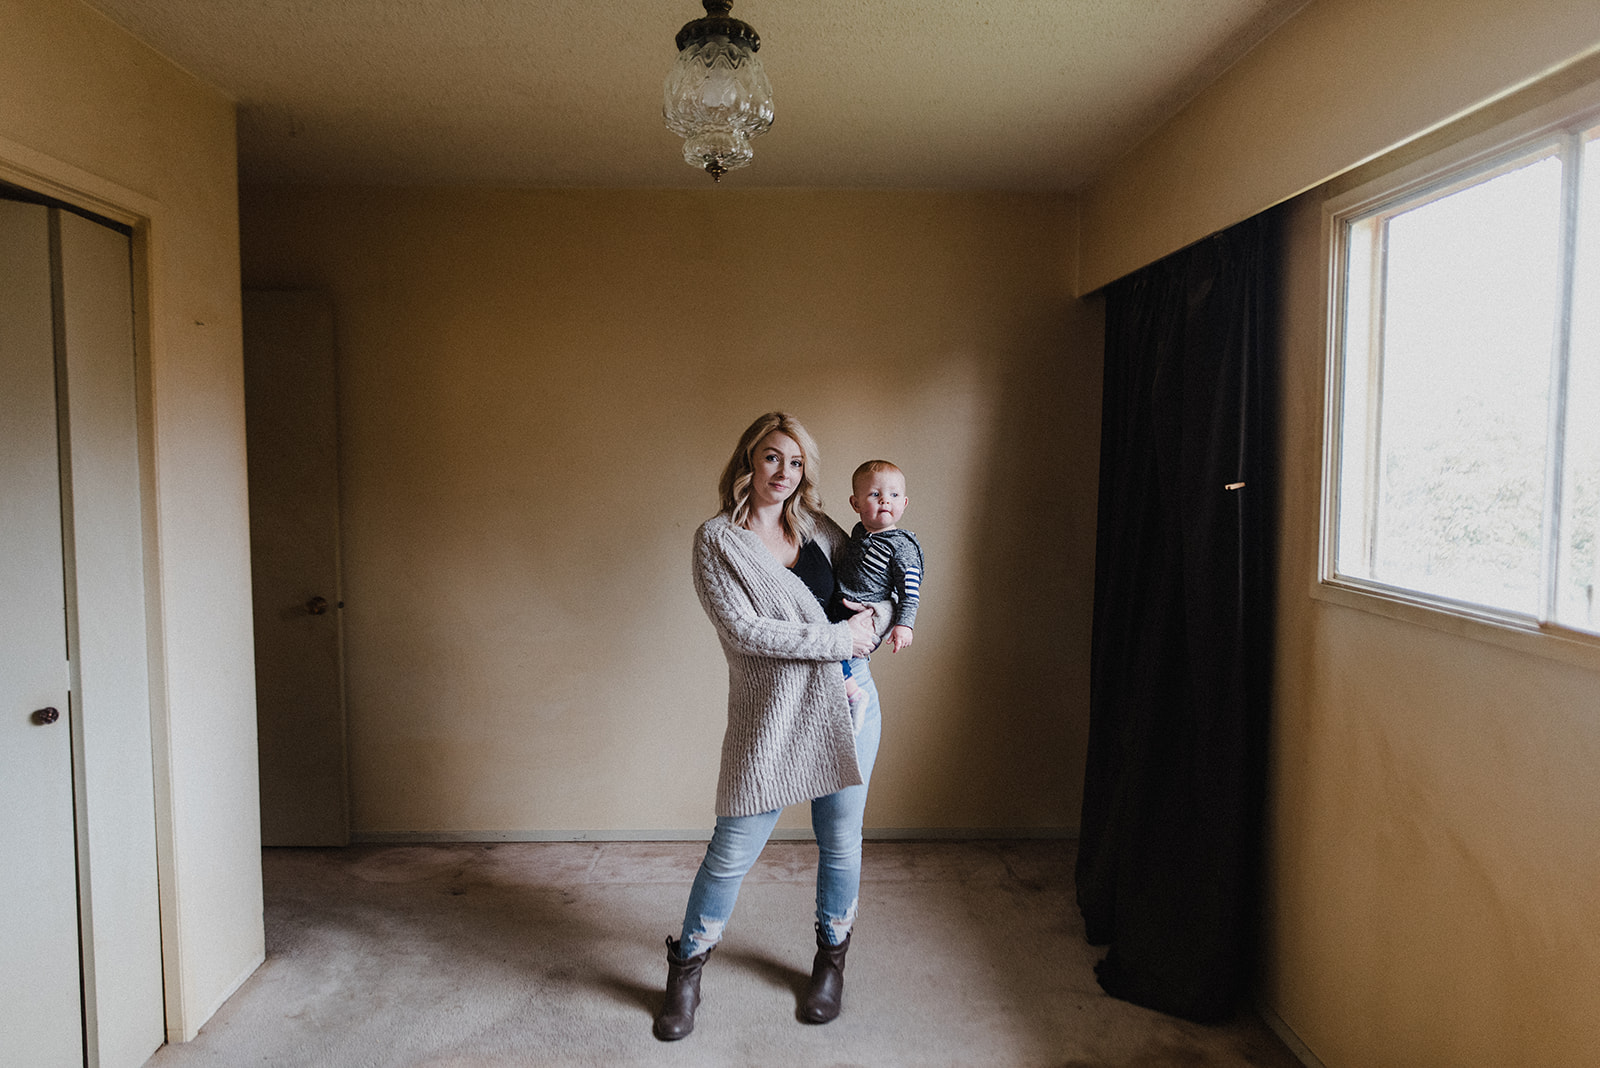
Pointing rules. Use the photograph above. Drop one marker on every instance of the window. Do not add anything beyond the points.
(1464, 464)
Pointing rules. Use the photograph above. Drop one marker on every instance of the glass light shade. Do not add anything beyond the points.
(717, 97)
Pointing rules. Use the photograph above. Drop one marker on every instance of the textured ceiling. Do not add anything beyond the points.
(1029, 95)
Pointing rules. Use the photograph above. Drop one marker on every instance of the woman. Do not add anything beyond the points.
(763, 572)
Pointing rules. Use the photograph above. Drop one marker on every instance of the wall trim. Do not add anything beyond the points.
(31, 169)
(703, 834)
(1287, 1036)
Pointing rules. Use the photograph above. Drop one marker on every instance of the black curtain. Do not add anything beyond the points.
(1169, 847)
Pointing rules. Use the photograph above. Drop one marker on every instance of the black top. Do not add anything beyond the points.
(813, 569)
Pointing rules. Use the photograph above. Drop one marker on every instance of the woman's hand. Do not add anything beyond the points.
(863, 639)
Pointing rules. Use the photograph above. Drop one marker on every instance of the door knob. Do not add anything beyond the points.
(317, 606)
(46, 716)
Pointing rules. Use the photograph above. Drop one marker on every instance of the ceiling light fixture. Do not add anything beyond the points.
(717, 96)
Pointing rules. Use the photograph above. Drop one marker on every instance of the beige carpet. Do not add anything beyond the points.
(482, 956)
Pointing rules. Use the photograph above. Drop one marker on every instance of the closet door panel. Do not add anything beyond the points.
(41, 1022)
(106, 598)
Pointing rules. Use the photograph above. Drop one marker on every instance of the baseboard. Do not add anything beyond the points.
(964, 834)
(1286, 1034)
(702, 834)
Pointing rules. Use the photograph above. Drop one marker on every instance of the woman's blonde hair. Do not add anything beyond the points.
(800, 511)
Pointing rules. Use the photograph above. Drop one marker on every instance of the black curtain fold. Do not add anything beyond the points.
(1168, 869)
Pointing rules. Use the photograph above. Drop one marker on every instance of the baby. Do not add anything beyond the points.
(881, 565)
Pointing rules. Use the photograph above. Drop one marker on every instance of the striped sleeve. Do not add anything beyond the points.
(906, 613)
(907, 562)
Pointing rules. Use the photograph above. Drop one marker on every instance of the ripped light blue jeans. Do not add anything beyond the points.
(836, 818)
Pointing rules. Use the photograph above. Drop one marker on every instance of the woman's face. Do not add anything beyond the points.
(776, 468)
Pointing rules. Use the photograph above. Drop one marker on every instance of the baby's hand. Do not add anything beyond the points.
(899, 637)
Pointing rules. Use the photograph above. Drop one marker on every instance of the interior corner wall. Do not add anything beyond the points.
(1340, 83)
(1435, 796)
(83, 104)
(538, 392)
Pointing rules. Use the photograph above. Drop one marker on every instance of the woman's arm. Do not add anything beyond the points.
(720, 580)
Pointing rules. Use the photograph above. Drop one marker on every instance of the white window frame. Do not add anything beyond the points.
(1462, 164)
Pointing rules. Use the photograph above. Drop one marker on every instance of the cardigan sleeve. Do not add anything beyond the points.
(729, 592)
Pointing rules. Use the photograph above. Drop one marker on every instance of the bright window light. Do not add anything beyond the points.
(1468, 379)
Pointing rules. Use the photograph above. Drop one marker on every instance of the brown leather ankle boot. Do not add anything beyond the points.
(676, 1018)
(826, 994)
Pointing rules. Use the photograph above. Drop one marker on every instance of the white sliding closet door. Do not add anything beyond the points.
(41, 1016)
(78, 793)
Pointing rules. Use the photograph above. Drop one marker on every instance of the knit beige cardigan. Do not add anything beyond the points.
(789, 737)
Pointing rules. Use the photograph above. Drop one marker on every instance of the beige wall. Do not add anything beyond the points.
(89, 114)
(539, 390)
(1342, 82)
(1436, 797)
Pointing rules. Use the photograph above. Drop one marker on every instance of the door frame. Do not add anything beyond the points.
(34, 171)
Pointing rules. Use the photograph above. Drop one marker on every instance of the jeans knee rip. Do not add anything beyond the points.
(711, 934)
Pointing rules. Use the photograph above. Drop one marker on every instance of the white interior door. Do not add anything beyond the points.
(291, 419)
(41, 1011)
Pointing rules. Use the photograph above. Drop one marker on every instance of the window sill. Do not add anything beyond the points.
(1521, 635)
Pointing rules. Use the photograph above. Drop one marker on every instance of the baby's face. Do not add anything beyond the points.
(880, 499)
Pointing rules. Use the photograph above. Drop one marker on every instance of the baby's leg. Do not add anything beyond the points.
(851, 688)
(855, 695)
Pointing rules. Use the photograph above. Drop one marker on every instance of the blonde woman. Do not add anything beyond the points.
(763, 570)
